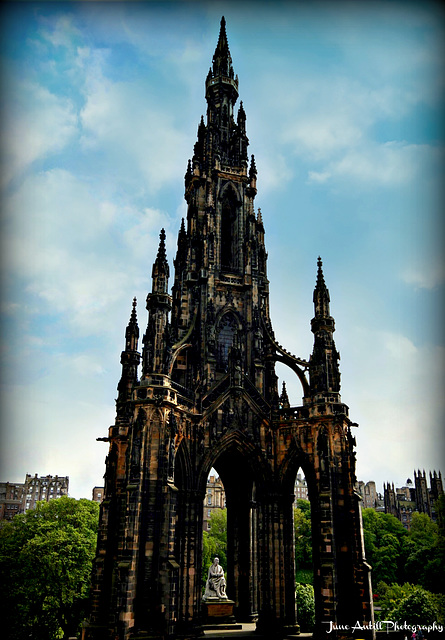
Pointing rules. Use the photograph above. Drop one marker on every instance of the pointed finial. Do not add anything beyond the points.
(133, 316)
(260, 216)
(201, 128)
(162, 254)
(320, 276)
(132, 330)
(188, 173)
(252, 170)
(284, 398)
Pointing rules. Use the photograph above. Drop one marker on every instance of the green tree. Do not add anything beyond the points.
(45, 562)
(303, 541)
(423, 531)
(424, 560)
(215, 542)
(384, 537)
(305, 601)
(416, 608)
(387, 597)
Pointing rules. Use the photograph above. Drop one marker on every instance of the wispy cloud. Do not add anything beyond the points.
(37, 123)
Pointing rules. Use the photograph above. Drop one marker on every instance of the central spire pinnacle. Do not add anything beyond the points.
(222, 60)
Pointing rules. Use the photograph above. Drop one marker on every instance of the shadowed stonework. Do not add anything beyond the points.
(208, 397)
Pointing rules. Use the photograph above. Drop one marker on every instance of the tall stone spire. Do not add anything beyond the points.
(324, 371)
(130, 359)
(160, 272)
(159, 303)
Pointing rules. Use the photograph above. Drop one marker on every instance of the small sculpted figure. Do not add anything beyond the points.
(216, 583)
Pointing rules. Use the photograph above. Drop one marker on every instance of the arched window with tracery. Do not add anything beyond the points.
(228, 232)
(227, 329)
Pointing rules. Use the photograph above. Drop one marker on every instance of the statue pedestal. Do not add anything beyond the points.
(218, 614)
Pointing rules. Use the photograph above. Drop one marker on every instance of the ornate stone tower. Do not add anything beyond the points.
(208, 397)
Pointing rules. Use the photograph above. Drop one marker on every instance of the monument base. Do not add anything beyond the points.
(218, 614)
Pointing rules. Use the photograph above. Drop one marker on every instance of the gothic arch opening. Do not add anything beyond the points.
(214, 525)
(298, 477)
(238, 467)
(233, 469)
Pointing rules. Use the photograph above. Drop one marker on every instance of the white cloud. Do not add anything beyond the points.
(384, 164)
(319, 176)
(86, 364)
(399, 407)
(61, 32)
(127, 123)
(426, 276)
(37, 123)
(391, 164)
(47, 435)
(66, 244)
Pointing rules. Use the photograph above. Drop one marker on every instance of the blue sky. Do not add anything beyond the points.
(100, 109)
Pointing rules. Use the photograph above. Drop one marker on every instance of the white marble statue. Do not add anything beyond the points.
(216, 583)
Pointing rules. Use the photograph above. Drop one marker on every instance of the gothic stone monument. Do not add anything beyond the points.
(207, 397)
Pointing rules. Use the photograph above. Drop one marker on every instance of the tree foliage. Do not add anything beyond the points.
(303, 538)
(415, 608)
(400, 556)
(46, 556)
(215, 542)
(408, 603)
(305, 607)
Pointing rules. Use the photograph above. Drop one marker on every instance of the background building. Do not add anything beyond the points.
(98, 494)
(11, 499)
(44, 489)
(215, 499)
(402, 502)
(18, 497)
(368, 493)
(301, 488)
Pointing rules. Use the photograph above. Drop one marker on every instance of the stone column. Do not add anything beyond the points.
(276, 601)
(188, 554)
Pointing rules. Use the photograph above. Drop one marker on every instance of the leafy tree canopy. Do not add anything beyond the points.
(46, 556)
(415, 608)
(303, 535)
(399, 556)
